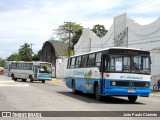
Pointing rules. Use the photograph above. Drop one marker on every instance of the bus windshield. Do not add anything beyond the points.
(45, 68)
(129, 64)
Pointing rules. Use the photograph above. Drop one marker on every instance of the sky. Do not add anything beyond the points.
(33, 21)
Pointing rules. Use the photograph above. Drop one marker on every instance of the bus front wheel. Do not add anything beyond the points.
(43, 81)
(31, 79)
(13, 78)
(97, 92)
(132, 99)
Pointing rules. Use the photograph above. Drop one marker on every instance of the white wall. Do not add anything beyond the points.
(61, 66)
(146, 37)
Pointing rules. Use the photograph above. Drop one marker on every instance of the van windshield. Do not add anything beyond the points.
(45, 68)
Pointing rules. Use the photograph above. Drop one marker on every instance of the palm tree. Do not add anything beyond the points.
(26, 52)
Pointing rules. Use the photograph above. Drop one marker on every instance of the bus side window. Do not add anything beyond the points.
(72, 63)
(84, 61)
(91, 60)
(78, 61)
(69, 63)
(98, 60)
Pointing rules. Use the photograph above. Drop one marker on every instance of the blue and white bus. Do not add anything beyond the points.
(114, 71)
(35, 71)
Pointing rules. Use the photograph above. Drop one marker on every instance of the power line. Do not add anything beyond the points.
(129, 9)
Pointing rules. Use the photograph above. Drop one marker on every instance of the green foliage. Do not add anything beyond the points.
(71, 53)
(39, 53)
(63, 32)
(25, 52)
(14, 57)
(99, 30)
(75, 31)
(2, 61)
(35, 57)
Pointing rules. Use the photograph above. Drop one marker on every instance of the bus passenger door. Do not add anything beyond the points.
(35, 70)
(104, 69)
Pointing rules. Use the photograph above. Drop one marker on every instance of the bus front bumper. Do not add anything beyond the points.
(144, 92)
(44, 78)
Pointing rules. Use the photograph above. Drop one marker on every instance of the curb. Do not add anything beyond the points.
(58, 80)
(155, 93)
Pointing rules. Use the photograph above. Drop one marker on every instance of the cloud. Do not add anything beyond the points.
(33, 21)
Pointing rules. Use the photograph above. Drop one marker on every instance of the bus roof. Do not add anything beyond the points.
(109, 49)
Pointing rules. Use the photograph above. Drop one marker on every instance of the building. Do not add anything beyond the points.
(126, 32)
(53, 51)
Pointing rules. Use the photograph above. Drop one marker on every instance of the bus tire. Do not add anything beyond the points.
(43, 81)
(97, 93)
(23, 80)
(31, 79)
(13, 78)
(132, 99)
(73, 88)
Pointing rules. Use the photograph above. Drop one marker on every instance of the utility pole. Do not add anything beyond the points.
(31, 45)
(31, 50)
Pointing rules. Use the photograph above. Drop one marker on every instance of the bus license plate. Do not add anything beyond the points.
(131, 91)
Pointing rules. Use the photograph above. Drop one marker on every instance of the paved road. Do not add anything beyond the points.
(55, 96)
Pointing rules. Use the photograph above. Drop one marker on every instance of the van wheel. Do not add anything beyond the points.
(73, 88)
(31, 79)
(43, 81)
(97, 93)
(132, 99)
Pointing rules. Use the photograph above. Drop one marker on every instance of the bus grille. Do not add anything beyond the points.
(129, 84)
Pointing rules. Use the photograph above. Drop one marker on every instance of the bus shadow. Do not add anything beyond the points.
(29, 81)
(90, 98)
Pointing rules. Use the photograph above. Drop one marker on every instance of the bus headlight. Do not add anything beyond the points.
(147, 85)
(113, 83)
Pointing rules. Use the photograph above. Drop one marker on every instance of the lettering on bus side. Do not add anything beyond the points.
(78, 72)
(85, 74)
(130, 77)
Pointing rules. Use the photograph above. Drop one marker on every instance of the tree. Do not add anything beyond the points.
(69, 27)
(36, 57)
(99, 30)
(71, 53)
(25, 52)
(2, 61)
(14, 57)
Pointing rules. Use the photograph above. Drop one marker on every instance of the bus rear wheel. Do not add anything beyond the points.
(97, 93)
(132, 99)
(43, 81)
